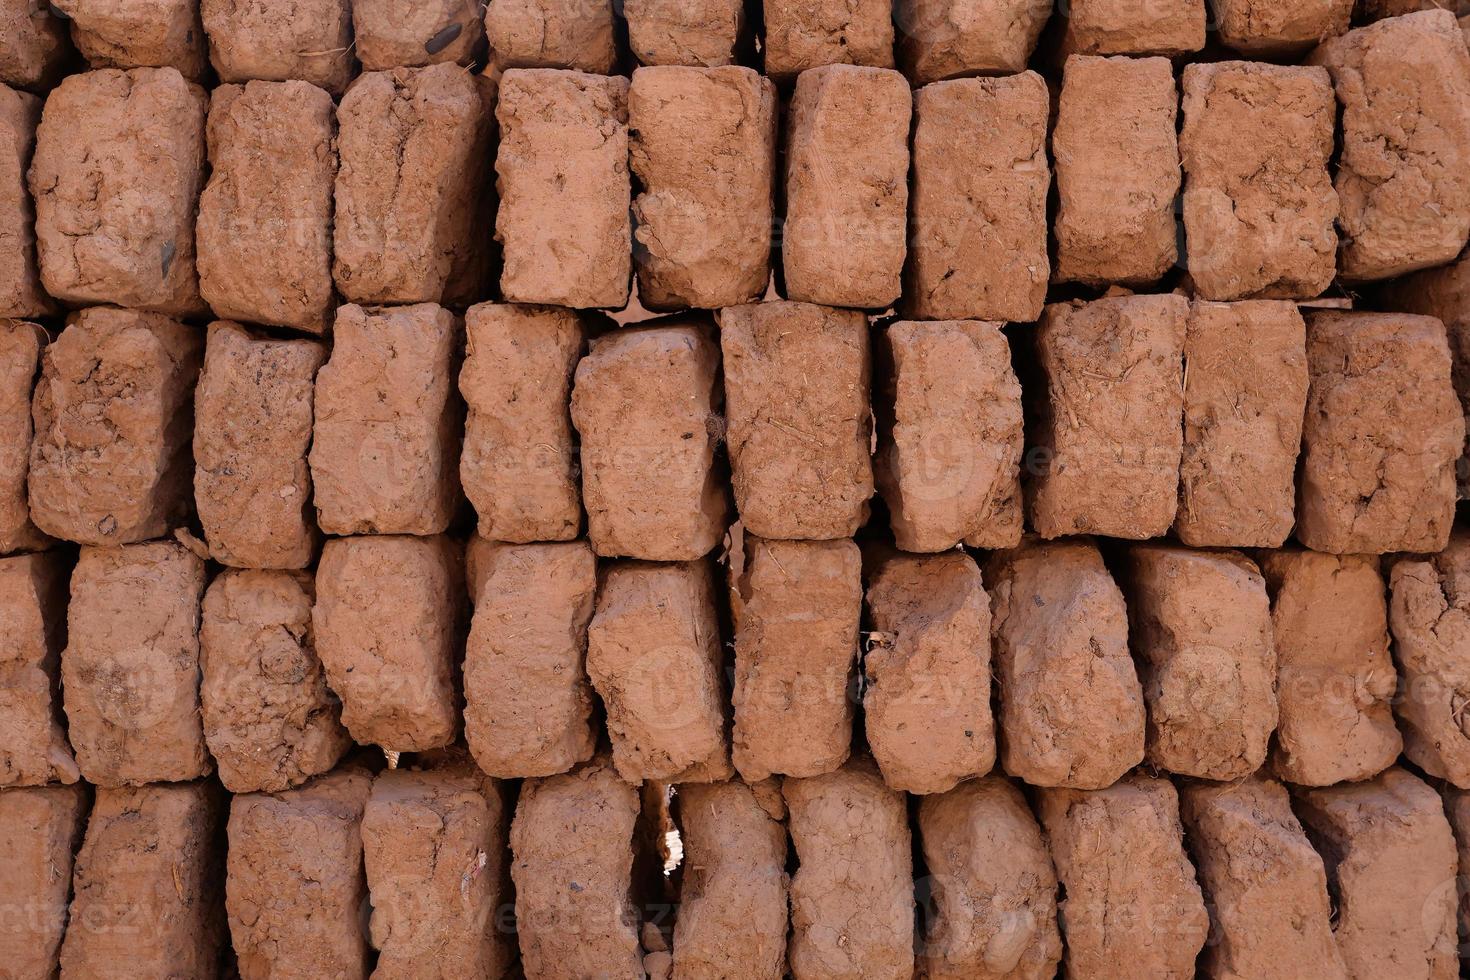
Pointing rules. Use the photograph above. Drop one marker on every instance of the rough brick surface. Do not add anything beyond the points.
(1269, 28)
(269, 720)
(387, 423)
(1071, 710)
(797, 382)
(252, 430)
(1117, 162)
(33, 745)
(703, 147)
(1107, 439)
(138, 33)
(1259, 205)
(40, 829)
(564, 150)
(20, 277)
(572, 34)
(1156, 27)
(1457, 809)
(978, 219)
(406, 33)
(34, 48)
(528, 703)
(803, 34)
(797, 606)
(697, 33)
(651, 482)
(310, 40)
(388, 624)
(116, 175)
(1382, 435)
(938, 39)
(21, 344)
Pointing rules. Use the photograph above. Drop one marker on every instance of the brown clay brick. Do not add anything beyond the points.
(1272, 28)
(33, 599)
(697, 33)
(34, 48)
(406, 33)
(1457, 809)
(803, 34)
(571, 34)
(40, 829)
(309, 40)
(21, 344)
(1157, 27)
(129, 34)
(20, 277)
(938, 39)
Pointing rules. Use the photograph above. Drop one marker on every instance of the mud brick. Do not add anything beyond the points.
(130, 671)
(926, 703)
(1152, 27)
(434, 847)
(949, 435)
(803, 34)
(1071, 709)
(1116, 222)
(33, 745)
(252, 430)
(295, 889)
(650, 481)
(697, 33)
(1269, 915)
(280, 40)
(1272, 28)
(21, 344)
(520, 463)
(388, 624)
(1108, 441)
(528, 703)
(995, 894)
(414, 144)
(852, 896)
(655, 657)
(269, 720)
(407, 33)
(938, 39)
(1122, 848)
(40, 829)
(34, 49)
(20, 277)
(265, 217)
(703, 147)
(978, 221)
(564, 150)
(116, 175)
(1391, 861)
(572, 34)
(1259, 205)
(1335, 681)
(797, 381)
(1382, 435)
(577, 828)
(147, 898)
(732, 913)
(132, 34)
(797, 608)
(387, 423)
(1457, 809)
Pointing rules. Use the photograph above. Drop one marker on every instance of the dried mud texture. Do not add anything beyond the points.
(1270, 915)
(130, 671)
(1391, 867)
(388, 622)
(147, 898)
(992, 910)
(21, 344)
(1335, 681)
(1259, 205)
(654, 655)
(797, 608)
(1383, 433)
(295, 890)
(1270, 28)
(564, 151)
(1107, 439)
(1071, 709)
(138, 34)
(33, 598)
(434, 847)
(116, 175)
(265, 217)
(926, 702)
(20, 277)
(852, 895)
(651, 482)
(411, 189)
(703, 147)
(950, 435)
(519, 463)
(1132, 905)
(804, 34)
(1135, 27)
(528, 703)
(978, 219)
(847, 192)
(269, 720)
(1244, 400)
(696, 33)
(1457, 809)
(1402, 176)
(938, 39)
(571, 34)
(388, 423)
(732, 912)
(1116, 221)
(309, 40)
(797, 384)
(40, 829)
(110, 462)
(407, 33)
(34, 49)
(252, 430)
(572, 850)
